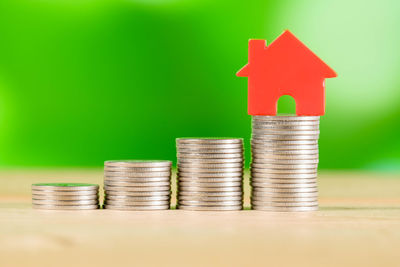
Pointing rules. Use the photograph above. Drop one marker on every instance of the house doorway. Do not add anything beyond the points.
(286, 105)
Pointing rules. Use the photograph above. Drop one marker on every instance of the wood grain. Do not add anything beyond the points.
(358, 225)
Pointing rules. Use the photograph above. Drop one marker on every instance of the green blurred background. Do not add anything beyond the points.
(82, 81)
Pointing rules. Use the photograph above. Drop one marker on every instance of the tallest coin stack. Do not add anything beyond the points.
(284, 163)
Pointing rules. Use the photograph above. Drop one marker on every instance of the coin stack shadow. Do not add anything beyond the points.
(284, 163)
(65, 196)
(210, 174)
(137, 185)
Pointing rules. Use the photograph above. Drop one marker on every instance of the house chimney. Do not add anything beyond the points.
(255, 48)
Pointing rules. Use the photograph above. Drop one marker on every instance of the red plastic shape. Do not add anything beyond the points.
(285, 67)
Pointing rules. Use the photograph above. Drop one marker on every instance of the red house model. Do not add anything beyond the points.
(285, 67)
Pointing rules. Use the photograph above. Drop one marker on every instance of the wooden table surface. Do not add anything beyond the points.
(358, 225)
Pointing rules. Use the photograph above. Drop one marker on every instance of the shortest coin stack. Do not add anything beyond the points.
(137, 184)
(65, 196)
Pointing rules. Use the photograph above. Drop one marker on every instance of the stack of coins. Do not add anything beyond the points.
(137, 184)
(210, 174)
(284, 163)
(65, 196)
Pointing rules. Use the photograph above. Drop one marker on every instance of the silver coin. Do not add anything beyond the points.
(288, 166)
(285, 162)
(210, 146)
(65, 202)
(137, 180)
(210, 174)
(279, 170)
(262, 152)
(136, 170)
(283, 148)
(211, 161)
(209, 141)
(285, 176)
(209, 194)
(137, 184)
(209, 189)
(197, 170)
(284, 209)
(210, 180)
(256, 149)
(285, 118)
(283, 199)
(209, 155)
(138, 175)
(211, 151)
(210, 198)
(267, 157)
(237, 148)
(282, 185)
(210, 208)
(136, 208)
(64, 193)
(279, 159)
(259, 171)
(272, 147)
(201, 184)
(279, 198)
(284, 124)
(137, 188)
(64, 187)
(286, 127)
(138, 163)
(284, 137)
(284, 194)
(284, 181)
(59, 207)
(270, 144)
(284, 204)
(194, 177)
(62, 197)
(136, 203)
(259, 132)
(210, 165)
(210, 203)
(139, 199)
(278, 143)
(112, 193)
(265, 119)
(285, 190)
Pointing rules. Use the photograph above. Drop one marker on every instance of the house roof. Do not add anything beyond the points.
(286, 49)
